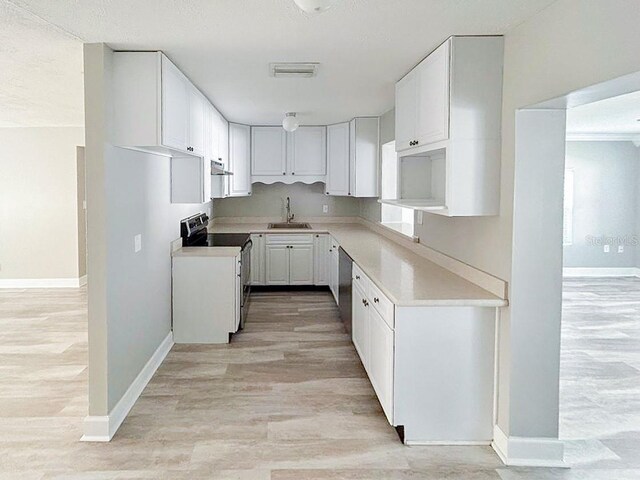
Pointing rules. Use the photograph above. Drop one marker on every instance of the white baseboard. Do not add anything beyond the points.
(571, 272)
(42, 282)
(528, 451)
(103, 428)
(449, 443)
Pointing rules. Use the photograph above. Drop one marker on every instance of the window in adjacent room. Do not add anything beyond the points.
(397, 218)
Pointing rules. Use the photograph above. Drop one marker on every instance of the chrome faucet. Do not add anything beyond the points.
(289, 214)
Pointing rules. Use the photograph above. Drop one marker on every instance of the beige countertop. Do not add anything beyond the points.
(407, 278)
(206, 252)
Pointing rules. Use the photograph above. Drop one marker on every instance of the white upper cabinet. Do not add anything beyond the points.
(239, 158)
(432, 123)
(156, 108)
(279, 156)
(406, 110)
(353, 158)
(448, 129)
(175, 107)
(307, 153)
(338, 159)
(197, 122)
(268, 151)
(363, 156)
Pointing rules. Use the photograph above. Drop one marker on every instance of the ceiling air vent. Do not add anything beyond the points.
(293, 69)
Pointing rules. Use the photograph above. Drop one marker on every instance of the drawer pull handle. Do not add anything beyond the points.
(357, 277)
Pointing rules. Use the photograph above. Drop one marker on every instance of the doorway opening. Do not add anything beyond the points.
(600, 335)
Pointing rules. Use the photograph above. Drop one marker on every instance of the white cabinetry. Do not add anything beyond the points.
(322, 258)
(239, 158)
(338, 159)
(307, 155)
(258, 259)
(448, 129)
(353, 158)
(422, 101)
(363, 156)
(289, 259)
(268, 151)
(430, 366)
(334, 268)
(214, 283)
(156, 108)
(278, 156)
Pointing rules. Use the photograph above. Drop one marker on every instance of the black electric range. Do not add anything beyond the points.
(216, 240)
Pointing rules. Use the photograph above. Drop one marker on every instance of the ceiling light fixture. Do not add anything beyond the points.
(315, 6)
(290, 122)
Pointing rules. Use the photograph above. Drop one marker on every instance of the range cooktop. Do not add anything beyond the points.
(217, 240)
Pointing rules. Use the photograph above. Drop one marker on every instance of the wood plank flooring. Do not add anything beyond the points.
(287, 399)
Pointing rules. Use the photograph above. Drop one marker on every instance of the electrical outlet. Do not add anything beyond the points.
(607, 249)
(620, 248)
(137, 243)
(325, 208)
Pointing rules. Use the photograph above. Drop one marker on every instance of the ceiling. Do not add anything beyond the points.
(617, 115)
(40, 72)
(225, 46)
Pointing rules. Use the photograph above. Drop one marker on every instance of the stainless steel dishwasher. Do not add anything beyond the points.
(344, 288)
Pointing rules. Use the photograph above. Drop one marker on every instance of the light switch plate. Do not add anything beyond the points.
(325, 208)
(607, 249)
(620, 248)
(137, 243)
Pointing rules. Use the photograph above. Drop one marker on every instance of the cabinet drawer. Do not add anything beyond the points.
(298, 239)
(382, 304)
(359, 278)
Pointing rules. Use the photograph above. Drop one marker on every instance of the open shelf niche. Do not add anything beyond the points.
(421, 182)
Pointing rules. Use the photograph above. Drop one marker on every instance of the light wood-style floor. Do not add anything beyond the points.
(287, 399)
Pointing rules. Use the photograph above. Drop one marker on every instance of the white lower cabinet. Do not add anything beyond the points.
(322, 258)
(206, 294)
(289, 259)
(432, 367)
(257, 259)
(301, 265)
(334, 268)
(277, 264)
(380, 346)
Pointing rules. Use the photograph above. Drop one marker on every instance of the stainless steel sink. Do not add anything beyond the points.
(290, 225)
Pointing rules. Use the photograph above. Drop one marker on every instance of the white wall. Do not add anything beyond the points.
(269, 201)
(605, 203)
(38, 190)
(129, 293)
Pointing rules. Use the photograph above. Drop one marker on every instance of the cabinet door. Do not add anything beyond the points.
(359, 326)
(175, 107)
(364, 161)
(301, 265)
(406, 111)
(381, 352)
(196, 121)
(334, 268)
(257, 259)
(338, 159)
(268, 151)
(239, 139)
(223, 140)
(277, 265)
(322, 259)
(433, 97)
(308, 151)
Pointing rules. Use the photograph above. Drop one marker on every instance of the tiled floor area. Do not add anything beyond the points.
(288, 399)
